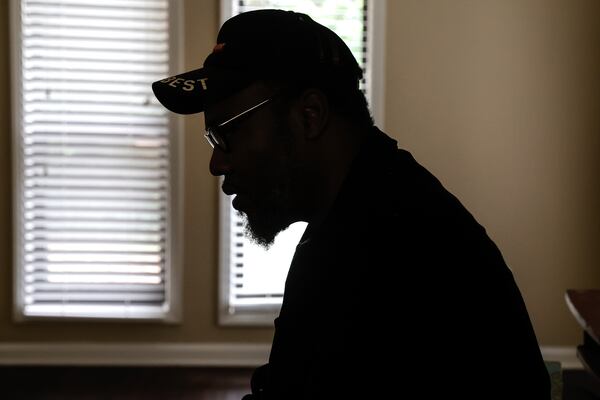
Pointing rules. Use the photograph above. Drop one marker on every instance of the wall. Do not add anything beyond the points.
(497, 98)
(500, 99)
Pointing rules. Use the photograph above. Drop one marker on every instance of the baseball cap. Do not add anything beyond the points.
(260, 44)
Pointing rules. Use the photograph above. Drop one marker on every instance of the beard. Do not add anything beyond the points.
(272, 211)
(270, 215)
(262, 231)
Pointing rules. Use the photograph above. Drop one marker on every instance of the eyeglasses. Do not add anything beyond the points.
(214, 134)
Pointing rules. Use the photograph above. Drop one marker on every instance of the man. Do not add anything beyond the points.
(394, 288)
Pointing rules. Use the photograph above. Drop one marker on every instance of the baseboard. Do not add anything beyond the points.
(127, 354)
(566, 355)
(174, 354)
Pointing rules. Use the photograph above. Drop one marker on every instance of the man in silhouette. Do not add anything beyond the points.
(394, 288)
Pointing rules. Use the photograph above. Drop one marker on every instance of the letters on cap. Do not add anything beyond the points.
(185, 84)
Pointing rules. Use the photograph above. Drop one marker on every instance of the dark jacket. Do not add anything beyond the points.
(400, 293)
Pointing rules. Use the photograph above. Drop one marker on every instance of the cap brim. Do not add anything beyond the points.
(183, 93)
(192, 91)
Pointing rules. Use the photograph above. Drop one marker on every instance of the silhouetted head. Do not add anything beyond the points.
(283, 112)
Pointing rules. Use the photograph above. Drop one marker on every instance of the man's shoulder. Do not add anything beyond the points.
(391, 180)
(397, 200)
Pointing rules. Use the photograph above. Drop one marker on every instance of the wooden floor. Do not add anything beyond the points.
(185, 383)
(139, 383)
(579, 385)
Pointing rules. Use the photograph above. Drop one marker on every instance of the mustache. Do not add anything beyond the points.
(229, 188)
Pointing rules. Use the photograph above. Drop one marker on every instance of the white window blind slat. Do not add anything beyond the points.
(124, 10)
(100, 162)
(91, 214)
(95, 159)
(89, 98)
(91, 278)
(83, 106)
(45, 120)
(129, 141)
(107, 45)
(48, 75)
(54, 21)
(94, 310)
(32, 256)
(85, 87)
(82, 65)
(92, 204)
(97, 127)
(107, 151)
(139, 54)
(144, 4)
(133, 288)
(75, 236)
(62, 193)
(81, 297)
(94, 226)
(97, 183)
(92, 33)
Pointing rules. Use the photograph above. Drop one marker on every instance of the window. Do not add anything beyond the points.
(95, 182)
(252, 279)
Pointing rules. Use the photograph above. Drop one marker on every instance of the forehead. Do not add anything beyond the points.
(238, 102)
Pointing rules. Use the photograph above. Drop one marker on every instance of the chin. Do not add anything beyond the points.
(263, 229)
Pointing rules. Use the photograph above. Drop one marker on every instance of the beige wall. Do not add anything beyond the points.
(498, 98)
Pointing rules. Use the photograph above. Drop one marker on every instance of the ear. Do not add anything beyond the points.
(314, 113)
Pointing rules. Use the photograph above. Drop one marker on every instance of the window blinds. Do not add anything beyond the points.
(94, 154)
(255, 277)
(347, 18)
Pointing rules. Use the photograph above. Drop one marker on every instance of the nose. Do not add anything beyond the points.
(220, 164)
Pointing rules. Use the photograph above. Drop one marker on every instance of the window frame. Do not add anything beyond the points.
(174, 226)
(264, 315)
